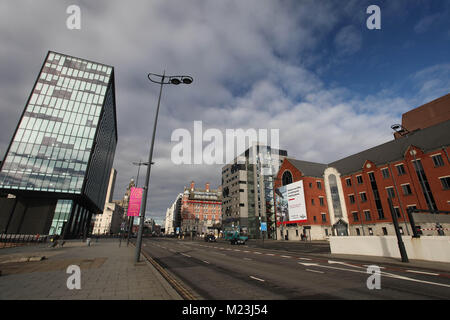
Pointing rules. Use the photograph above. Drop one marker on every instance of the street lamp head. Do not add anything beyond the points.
(175, 81)
(396, 127)
(187, 80)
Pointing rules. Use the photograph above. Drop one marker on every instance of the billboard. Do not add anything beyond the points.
(134, 206)
(290, 200)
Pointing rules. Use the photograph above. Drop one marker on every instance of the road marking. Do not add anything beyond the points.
(186, 255)
(422, 272)
(257, 252)
(257, 278)
(246, 251)
(386, 274)
(307, 259)
(286, 256)
(237, 250)
(315, 271)
(344, 264)
(269, 254)
(205, 261)
(368, 265)
(248, 259)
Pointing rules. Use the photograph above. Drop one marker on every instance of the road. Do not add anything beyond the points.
(221, 271)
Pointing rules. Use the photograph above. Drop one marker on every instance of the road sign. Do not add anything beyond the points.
(263, 226)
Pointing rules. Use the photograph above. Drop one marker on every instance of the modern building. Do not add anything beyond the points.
(248, 194)
(412, 170)
(110, 220)
(173, 216)
(201, 210)
(59, 160)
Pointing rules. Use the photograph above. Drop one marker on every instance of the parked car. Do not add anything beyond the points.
(210, 238)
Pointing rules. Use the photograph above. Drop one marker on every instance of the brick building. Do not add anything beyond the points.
(317, 226)
(413, 170)
(201, 210)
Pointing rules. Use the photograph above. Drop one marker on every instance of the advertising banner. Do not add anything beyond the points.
(134, 206)
(290, 200)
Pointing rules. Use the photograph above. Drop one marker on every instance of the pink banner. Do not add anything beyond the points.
(134, 205)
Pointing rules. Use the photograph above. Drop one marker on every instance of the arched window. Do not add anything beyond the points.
(287, 178)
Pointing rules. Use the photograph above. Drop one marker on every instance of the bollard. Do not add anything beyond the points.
(88, 241)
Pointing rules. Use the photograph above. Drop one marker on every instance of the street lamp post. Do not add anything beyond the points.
(175, 80)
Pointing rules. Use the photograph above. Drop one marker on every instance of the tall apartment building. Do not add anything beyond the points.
(248, 194)
(173, 216)
(58, 163)
(201, 210)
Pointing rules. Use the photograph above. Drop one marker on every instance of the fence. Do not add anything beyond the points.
(10, 240)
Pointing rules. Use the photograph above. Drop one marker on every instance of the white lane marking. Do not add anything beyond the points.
(344, 264)
(269, 254)
(386, 274)
(246, 251)
(257, 252)
(257, 278)
(163, 247)
(307, 259)
(423, 272)
(237, 250)
(368, 265)
(315, 271)
(205, 261)
(286, 256)
(186, 255)
(248, 259)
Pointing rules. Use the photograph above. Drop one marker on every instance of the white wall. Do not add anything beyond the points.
(431, 248)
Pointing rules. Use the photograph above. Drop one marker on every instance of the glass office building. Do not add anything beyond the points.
(62, 151)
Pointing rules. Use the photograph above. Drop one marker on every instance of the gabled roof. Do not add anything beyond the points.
(427, 139)
(311, 169)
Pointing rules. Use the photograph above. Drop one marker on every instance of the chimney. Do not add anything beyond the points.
(207, 187)
(192, 185)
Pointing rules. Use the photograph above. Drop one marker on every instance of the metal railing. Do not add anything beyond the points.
(9, 239)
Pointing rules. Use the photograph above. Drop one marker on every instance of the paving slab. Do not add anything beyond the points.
(107, 270)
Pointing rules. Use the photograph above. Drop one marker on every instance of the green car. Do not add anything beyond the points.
(235, 236)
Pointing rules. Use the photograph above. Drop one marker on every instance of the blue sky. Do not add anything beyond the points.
(308, 68)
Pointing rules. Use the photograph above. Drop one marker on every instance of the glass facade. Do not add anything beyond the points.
(62, 213)
(64, 144)
(52, 145)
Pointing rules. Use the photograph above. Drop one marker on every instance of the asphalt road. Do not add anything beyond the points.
(221, 271)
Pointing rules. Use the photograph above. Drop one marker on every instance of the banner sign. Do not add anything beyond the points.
(290, 200)
(134, 206)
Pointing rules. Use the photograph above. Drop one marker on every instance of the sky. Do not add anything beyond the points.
(311, 69)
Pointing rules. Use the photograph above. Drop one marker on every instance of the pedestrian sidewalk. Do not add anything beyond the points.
(107, 272)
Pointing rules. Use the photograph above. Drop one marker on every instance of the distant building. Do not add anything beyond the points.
(58, 162)
(110, 220)
(201, 210)
(247, 185)
(173, 216)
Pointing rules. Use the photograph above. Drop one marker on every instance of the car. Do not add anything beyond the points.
(210, 238)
